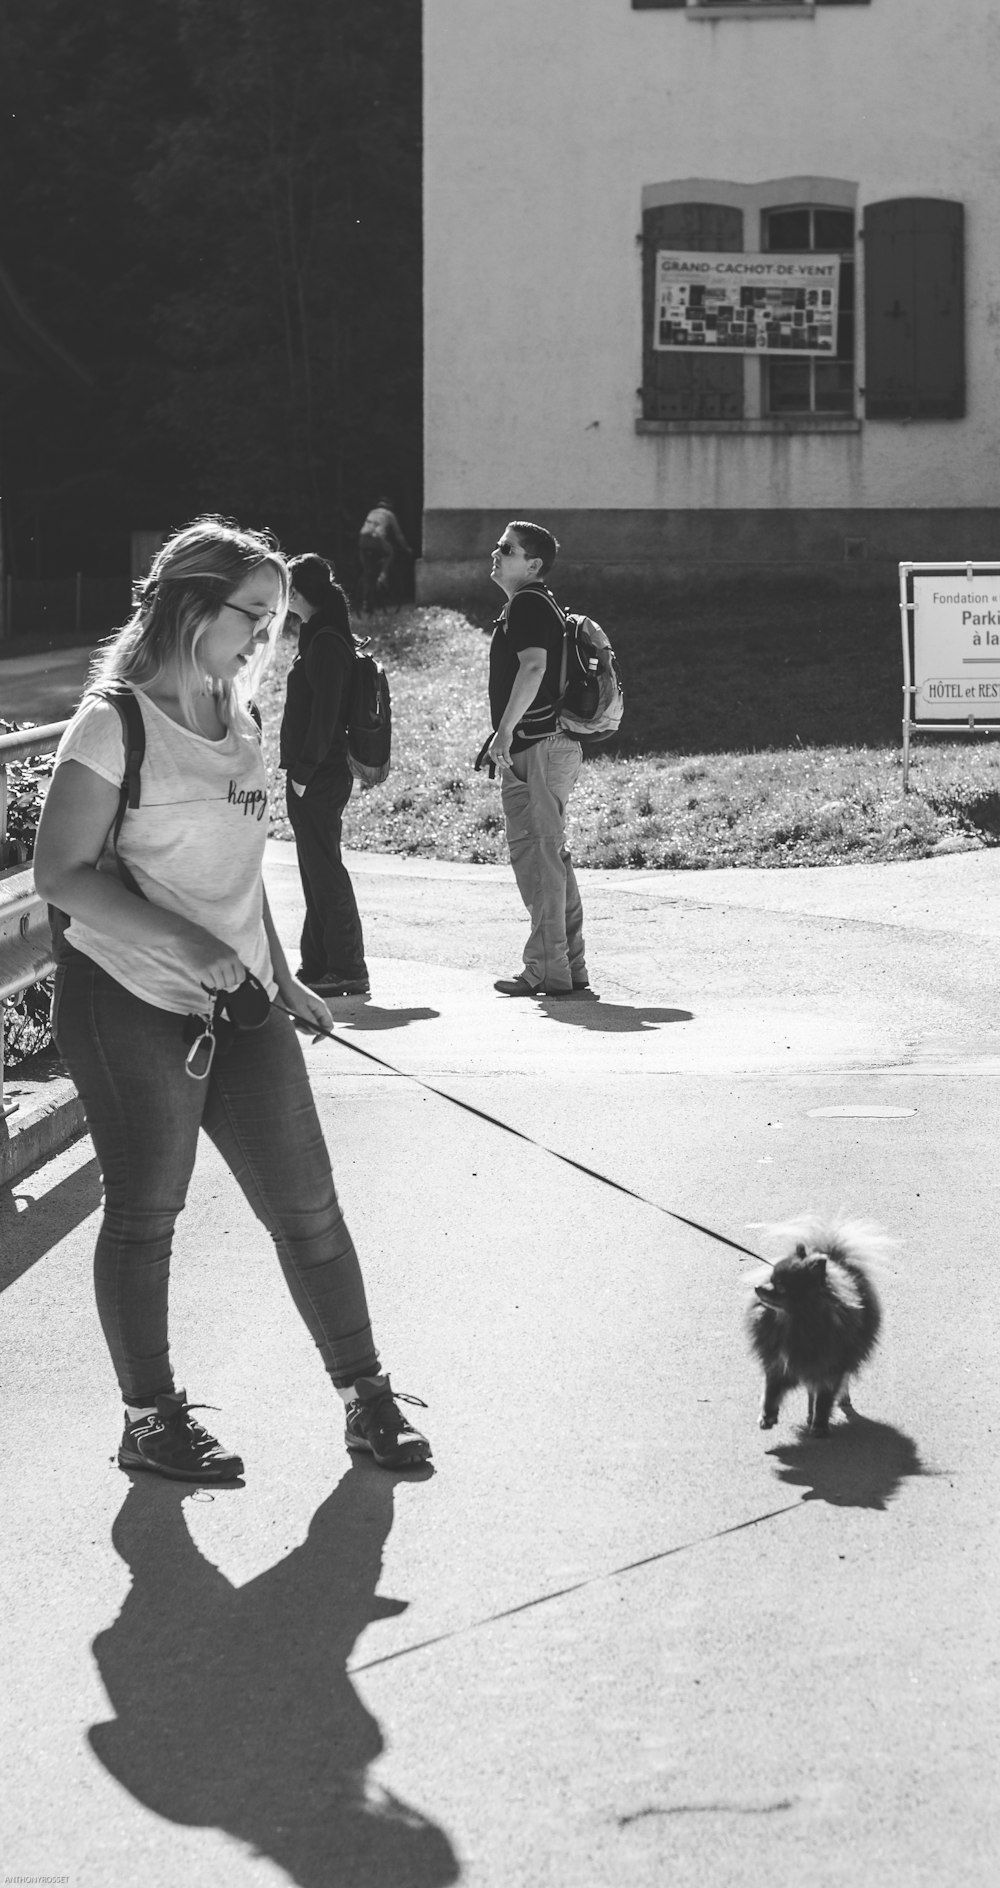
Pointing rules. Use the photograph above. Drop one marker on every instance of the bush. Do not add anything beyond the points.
(26, 1017)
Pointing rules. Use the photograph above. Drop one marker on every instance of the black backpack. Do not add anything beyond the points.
(369, 716)
(129, 794)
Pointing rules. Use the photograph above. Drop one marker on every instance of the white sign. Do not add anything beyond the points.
(744, 303)
(956, 646)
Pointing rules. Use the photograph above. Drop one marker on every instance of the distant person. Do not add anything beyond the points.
(380, 544)
(538, 764)
(166, 919)
(314, 754)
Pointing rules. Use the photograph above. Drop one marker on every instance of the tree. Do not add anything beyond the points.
(82, 91)
(216, 205)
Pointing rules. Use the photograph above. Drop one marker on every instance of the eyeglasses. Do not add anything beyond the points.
(261, 621)
(508, 550)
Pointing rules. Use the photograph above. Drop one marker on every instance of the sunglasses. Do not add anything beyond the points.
(508, 550)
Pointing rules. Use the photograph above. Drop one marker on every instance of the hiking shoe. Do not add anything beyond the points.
(327, 987)
(171, 1444)
(516, 986)
(375, 1422)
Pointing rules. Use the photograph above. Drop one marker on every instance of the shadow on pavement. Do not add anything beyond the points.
(610, 1018)
(371, 1017)
(233, 1705)
(860, 1465)
(30, 1227)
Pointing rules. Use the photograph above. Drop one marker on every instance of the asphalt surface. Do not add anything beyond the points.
(619, 1636)
(42, 685)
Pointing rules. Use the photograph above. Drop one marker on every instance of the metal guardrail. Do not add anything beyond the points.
(25, 941)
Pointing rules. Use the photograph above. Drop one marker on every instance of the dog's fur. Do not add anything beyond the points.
(816, 1317)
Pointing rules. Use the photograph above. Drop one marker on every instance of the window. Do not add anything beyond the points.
(768, 346)
(809, 384)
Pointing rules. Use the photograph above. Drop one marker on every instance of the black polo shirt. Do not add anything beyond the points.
(531, 620)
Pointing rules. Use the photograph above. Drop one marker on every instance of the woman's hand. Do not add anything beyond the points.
(306, 1005)
(215, 964)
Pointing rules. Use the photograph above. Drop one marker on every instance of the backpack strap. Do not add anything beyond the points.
(130, 792)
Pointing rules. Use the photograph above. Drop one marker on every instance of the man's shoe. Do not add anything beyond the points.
(516, 986)
(376, 1423)
(171, 1444)
(327, 987)
(576, 989)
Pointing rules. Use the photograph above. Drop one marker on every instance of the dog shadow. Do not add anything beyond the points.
(233, 1707)
(861, 1464)
(610, 1019)
(371, 1016)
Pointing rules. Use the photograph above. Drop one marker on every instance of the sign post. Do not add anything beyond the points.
(950, 619)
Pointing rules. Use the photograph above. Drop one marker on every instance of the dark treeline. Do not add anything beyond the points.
(214, 206)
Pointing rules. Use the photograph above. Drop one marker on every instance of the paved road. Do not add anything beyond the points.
(42, 686)
(620, 1637)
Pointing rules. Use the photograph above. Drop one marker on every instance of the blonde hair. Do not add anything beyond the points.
(191, 579)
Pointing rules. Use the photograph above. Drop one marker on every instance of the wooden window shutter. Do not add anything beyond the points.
(678, 386)
(914, 310)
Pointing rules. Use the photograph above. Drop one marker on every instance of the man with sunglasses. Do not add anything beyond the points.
(538, 763)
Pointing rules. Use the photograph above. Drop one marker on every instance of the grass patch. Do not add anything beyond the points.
(760, 734)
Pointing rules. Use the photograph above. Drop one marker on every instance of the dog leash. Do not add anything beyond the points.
(592, 1173)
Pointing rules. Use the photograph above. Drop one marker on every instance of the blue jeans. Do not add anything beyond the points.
(144, 1111)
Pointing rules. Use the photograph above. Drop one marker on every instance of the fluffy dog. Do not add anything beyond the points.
(816, 1318)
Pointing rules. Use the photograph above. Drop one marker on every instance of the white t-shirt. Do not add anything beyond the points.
(194, 844)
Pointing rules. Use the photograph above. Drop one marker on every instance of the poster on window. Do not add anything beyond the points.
(741, 303)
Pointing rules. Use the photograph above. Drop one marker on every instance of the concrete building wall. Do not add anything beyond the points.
(545, 123)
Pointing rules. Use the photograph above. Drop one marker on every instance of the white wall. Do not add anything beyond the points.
(543, 121)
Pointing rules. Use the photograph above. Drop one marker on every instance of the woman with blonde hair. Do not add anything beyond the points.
(168, 933)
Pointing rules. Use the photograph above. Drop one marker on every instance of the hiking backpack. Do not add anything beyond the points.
(591, 698)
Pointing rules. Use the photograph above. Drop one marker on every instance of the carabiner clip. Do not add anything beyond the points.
(207, 1035)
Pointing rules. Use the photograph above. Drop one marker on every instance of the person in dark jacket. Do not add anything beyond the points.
(380, 545)
(319, 778)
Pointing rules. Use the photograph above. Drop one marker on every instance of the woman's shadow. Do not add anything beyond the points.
(233, 1705)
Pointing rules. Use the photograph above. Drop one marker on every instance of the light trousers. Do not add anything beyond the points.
(535, 792)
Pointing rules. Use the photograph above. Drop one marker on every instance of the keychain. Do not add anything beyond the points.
(205, 1025)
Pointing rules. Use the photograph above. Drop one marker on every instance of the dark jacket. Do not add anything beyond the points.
(318, 697)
